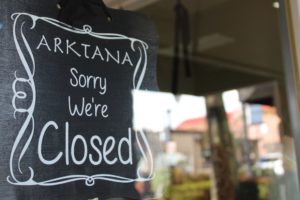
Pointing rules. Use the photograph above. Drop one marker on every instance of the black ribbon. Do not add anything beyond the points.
(182, 37)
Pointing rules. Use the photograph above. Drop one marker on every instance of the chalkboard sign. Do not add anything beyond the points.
(66, 102)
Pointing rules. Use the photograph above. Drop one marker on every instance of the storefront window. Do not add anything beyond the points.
(152, 99)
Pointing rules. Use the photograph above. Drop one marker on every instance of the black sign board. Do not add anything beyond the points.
(66, 102)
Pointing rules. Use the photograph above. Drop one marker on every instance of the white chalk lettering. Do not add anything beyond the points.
(69, 47)
(40, 144)
(108, 146)
(73, 148)
(127, 59)
(94, 139)
(44, 43)
(110, 55)
(102, 152)
(127, 142)
(87, 51)
(88, 81)
(97, 52)
(57, 43)
(89, 109)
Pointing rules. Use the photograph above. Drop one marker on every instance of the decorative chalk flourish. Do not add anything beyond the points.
(27, 129)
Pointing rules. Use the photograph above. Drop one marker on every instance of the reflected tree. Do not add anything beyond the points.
(222, 148)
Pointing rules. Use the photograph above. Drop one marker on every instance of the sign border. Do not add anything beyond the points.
(27, 128)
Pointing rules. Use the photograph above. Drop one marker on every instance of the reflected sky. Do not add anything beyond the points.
(157, 111)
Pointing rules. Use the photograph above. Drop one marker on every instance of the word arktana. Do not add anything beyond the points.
(81, 50)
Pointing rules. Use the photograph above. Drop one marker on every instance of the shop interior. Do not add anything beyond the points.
(219, 127)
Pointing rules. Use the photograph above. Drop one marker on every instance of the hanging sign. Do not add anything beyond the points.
(66, 100)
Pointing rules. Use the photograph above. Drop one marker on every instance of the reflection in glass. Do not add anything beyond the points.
(209, 147)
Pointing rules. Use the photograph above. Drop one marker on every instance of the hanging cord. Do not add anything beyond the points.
(65, 13)
(105, 10)
(182, 37)
(103, 6)
(69, 10)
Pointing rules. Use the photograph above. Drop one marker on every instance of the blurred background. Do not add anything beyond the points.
(219, 128)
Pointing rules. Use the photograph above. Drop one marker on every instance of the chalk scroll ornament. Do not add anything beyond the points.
(27, 129)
